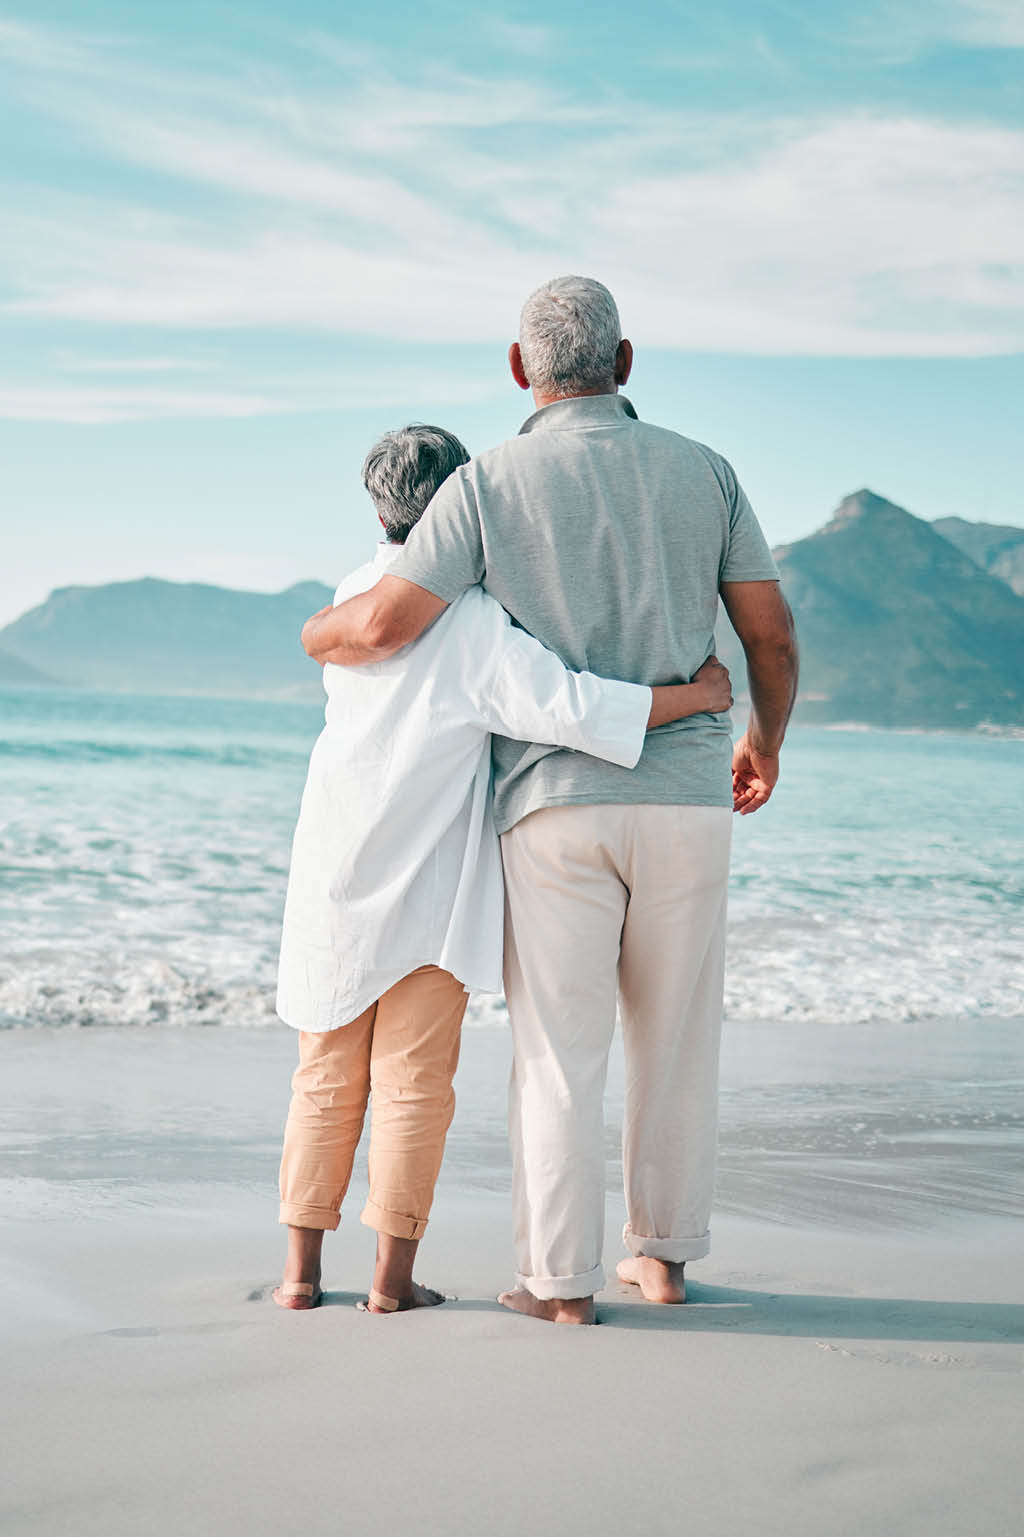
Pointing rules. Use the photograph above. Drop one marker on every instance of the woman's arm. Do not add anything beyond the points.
(709, 693)
(521, 689)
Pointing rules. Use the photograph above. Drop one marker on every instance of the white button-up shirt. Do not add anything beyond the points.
(395, 862)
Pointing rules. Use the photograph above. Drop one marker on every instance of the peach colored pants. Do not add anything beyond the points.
(401, 1055)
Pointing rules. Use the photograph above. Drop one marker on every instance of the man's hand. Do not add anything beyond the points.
(712, 678)
(763, 621)
(754, 776)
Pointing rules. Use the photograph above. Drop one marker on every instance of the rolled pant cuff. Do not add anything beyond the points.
(392, 1222)
(309, 1216)
(671, 1250)
(585, 1284)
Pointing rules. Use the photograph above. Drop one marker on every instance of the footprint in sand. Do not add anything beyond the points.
(148, 1331)
(930, 1360)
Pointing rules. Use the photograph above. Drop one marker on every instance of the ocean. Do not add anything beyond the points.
(873, 1054)
(144, 846)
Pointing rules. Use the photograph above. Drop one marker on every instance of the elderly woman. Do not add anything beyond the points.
(394, 906)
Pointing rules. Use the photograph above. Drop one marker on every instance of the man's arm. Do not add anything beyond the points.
(373, 625)
(444, 554)
(762, 619)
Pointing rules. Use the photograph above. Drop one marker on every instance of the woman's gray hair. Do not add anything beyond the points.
(403, 471)
(569, 334)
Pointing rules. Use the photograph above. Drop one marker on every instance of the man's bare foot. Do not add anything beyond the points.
(419, 1297)
(554, 1310)
(659, 1280)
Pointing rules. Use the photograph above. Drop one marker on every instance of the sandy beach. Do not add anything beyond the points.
(828, 1374)
(585, 349)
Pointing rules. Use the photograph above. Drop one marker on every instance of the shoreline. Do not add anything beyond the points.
(855, 1129)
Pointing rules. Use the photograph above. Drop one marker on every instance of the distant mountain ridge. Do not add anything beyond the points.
(901, 623)
(174, 637)
(897, 626)
(996, 547)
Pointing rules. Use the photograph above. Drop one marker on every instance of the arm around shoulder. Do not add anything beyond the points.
(373, 625)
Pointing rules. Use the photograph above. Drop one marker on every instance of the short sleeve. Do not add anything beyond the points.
(747, 557)
(444, 553)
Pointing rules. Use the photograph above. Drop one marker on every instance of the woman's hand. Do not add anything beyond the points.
(712, 677)
(710, 692)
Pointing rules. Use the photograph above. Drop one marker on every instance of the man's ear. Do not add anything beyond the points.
(515, 362)
(623, 361)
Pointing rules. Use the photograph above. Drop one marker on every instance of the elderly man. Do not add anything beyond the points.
(610, 540)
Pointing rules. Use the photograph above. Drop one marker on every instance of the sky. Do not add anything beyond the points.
(237, 243)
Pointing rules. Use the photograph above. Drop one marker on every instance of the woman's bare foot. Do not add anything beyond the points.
(554, 1310)
(299, 1302)
(393, 1278)
(659, 1280)
(419, 1297)
(302, 1267)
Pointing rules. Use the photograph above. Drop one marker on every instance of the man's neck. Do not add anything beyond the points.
(540, 400)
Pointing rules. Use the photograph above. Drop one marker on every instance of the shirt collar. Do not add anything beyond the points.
(580, 411)
(386, 555)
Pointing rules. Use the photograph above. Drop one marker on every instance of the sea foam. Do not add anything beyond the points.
(144, 851)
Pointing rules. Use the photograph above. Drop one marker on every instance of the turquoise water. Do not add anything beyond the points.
(144, 845)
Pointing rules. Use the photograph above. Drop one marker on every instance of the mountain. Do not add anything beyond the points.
(14, 671)
(995, 547)
(897, 626)
(170, 637)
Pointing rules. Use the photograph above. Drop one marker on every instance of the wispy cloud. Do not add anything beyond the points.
(40, 48)
(74, 363)
(900, 30)
(130, 402)
(22, 403)
(984, 23)
(424, 209)
(532, 40)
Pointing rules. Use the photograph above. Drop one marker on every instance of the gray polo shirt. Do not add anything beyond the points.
(607, 538)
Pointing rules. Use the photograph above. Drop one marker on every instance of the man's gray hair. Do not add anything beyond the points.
(403, 471)
(569, 333)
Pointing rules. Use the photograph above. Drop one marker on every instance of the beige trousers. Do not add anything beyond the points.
(607, 903)
(401, 1053)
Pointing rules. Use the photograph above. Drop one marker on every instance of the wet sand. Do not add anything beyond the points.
(852, 1364)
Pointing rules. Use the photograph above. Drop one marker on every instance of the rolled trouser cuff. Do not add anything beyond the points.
(394, 1223)
(309, 1216)
(563, 1287)
(671, 1250)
